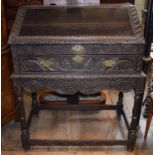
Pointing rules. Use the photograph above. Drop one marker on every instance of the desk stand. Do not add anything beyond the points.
(36, 107)
(124, 83)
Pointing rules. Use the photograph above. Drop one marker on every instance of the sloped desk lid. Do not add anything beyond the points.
(108, 23)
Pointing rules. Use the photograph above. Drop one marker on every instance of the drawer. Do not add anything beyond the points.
(87, 49)
(79, 63)
(82, 58)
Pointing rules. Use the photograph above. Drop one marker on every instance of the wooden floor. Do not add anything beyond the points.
(78, 125)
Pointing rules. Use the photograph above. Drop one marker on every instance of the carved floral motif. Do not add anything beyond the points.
(77, 63)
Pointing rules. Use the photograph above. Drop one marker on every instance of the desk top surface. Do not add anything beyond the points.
(113, 23)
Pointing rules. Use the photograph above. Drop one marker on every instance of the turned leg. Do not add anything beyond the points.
(34, 105)
(24, 131)
(120, 104)
(17, 119)
(132, 135)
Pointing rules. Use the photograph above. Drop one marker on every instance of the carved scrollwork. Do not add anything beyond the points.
(32, 86)
(124, 65)
(77, 63)
(40, 64)
(30, 64)
(87, 85)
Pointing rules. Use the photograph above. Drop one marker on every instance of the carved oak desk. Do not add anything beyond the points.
(78, 49)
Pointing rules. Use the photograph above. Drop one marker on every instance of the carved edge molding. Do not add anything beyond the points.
(137, 38)
(17, 25)
(84, 85)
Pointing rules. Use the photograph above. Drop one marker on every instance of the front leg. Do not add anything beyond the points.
(132, 135)
(35, 105)
(120, 105)
(24, 129)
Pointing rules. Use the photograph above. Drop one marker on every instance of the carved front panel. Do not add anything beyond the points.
(84, 83)
(76, 62)
(77, 57)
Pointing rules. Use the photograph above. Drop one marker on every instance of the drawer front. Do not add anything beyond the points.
(82, 58)
(79, 49)
(81, 63)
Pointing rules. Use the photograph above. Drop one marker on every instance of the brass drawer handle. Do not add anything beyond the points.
(78, 59)
(109, 63)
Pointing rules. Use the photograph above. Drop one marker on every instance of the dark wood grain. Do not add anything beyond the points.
(73, 75)
(8, 103)
(12, 7)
